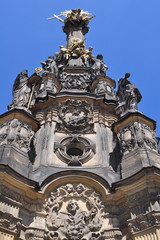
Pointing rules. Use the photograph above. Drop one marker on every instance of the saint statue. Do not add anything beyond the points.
(50, 66)
(21, 90)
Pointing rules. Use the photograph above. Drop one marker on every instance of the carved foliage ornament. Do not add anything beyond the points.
(75, 115)
(74, 212)
(15, 132)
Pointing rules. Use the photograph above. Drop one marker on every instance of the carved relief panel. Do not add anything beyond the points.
(75, 212)
(79, 81)
(137, 134)
(17, 133)
(75, 115)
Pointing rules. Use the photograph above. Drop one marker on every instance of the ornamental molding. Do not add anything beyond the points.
(75, 150)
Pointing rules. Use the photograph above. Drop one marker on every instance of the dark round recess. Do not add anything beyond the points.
(74, 151)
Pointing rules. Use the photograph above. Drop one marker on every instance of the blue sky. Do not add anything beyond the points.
(126, 32)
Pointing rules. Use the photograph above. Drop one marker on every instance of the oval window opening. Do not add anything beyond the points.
(74, 152)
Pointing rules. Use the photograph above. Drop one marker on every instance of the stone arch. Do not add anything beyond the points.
(75, 176)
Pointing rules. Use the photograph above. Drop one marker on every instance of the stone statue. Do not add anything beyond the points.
(98, 65)
(21, 90)
(50, 66)
(127, 95)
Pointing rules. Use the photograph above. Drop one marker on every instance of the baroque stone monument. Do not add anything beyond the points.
(78, 161)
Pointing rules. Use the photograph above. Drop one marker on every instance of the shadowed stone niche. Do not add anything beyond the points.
(75, 150)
